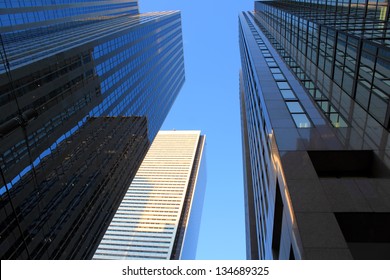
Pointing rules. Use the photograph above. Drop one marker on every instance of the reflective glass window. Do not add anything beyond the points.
(287, 94)
(301, 120)
(279, 77)
(283, 85)
(294, 107)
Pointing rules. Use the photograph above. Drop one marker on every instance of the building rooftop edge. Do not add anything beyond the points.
(179, 132)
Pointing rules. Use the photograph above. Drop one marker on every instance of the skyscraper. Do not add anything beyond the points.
(315, 111)
(77, 74)
(160, 214)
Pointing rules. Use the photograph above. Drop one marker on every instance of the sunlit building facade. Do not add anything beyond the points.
(315, 111)
(65, 67)
(159, 216)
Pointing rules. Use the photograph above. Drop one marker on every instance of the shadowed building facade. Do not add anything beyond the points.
(315, 111)
(159, 217)
(68, 69)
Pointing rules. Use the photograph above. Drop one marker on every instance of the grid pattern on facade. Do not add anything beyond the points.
(54, 206)
(321, 51)
(350, 48)
(259, 144)
(250, 217)
(39, 15)
(120, 74)
(320, 99)
(145, 224)
(64, 63)
(184, 246)
(294, 107)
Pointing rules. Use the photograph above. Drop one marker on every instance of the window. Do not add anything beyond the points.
(294, 107)
(288, 94)
(301, 120)
(279, 77)
(283, 85)
(275, 70)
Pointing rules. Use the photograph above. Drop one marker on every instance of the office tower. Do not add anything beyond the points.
(315, 111)
(160, 214)
(85, 87)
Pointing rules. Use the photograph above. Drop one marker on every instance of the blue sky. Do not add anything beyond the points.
(209, 101)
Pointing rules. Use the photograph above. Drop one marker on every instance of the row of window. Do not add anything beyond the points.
(125, 245)
(359, 67)
(139, 234)
(142, 223)
(136, 239)
(146, 215)
(155, 190)
(119, 255)
(144, 82)
(43, 106)
(321, 100)
(298, 114)
(34, 3)
(128, 250)
(325, 9)
(260, 141)
(43, 220)
(43, 13)
(141, 218)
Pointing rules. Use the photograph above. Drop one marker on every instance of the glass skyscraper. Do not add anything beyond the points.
(68, 68)
(315, 111)
(159, 217)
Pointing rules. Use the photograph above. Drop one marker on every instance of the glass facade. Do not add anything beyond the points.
(22, 15)
(55, 203)
(257, 127)
(65, 62)
(348, 41)
(314, 78)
